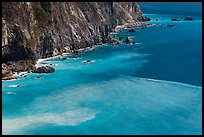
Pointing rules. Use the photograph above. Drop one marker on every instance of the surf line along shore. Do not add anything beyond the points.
(9, 74)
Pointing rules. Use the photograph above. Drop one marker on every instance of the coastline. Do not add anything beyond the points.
(151, 88)
(118, 28)
(125, 26)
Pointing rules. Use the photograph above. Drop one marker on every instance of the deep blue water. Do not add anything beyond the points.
(172, 8)
(151, 87)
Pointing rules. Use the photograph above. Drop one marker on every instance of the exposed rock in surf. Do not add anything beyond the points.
(131, 30)
(128, 40)
(44, 69)
(188, 18)
(75, 52)
(52, 64)
(144, 19)
(175, 19)
(112, 41)
(171, 25)
(87, 61)
(38, 77)
(115, 41)
(120, 38)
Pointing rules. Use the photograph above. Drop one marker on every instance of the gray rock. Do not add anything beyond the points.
(44, 69)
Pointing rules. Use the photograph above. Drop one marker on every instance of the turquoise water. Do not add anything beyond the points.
(151, 87)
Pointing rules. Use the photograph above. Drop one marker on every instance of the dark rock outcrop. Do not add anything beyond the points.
(115, 41)
(128, 40)
(112, 41)
(188, 18)
(171, 25)
(44, 69)
(38, 77)
(144, 19)
(175, 19)
(120, 38)
(87, 61)
(131, 30)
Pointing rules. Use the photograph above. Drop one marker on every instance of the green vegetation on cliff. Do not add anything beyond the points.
(40, 15)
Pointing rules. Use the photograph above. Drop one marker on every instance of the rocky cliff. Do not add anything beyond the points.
(32, 30)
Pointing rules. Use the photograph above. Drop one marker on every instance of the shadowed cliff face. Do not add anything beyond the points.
(33, 30)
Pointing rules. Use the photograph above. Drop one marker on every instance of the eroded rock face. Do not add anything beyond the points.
(15, 46)
(33, 30)
(6, 74)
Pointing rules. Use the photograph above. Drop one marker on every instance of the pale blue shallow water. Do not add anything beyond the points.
(153, 87)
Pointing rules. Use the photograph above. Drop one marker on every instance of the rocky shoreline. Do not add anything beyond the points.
(34, 30)
(9, 71)
(131, 25)
(11, 68)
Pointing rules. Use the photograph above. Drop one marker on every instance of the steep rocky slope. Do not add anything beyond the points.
(33, 30)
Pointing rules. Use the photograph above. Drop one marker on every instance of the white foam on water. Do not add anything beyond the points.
(138, 43)
(65, 54)
(69, 118)
(129, 55)
(10, 80)
(54, 65)
(146, 99)
(20, 74)
(13, 86)
(10, 93)
(40, 61)
(74, 58)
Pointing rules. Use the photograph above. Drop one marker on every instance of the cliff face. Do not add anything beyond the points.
(32, 30)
